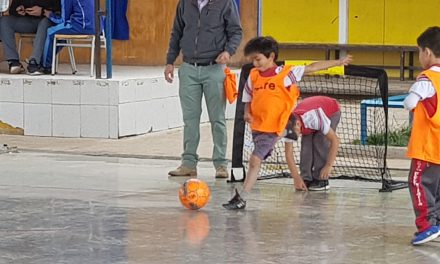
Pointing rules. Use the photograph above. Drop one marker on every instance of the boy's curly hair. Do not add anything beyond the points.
(263, 45)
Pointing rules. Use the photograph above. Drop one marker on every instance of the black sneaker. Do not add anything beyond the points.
(46, 70)
(33, 68)
(236, 203)
(307, 183)
(15, 67)
(319, 185)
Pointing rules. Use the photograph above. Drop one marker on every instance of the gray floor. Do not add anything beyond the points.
(79, 209)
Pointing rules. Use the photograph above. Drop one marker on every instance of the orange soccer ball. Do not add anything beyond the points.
(194, 194)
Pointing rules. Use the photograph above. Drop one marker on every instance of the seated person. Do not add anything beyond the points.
(26, 16)
(77, 18)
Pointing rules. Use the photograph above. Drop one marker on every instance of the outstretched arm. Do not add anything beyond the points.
(334, 145)
(322, 65)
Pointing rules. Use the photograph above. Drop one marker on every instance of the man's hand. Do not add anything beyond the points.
(169, 73)
(34, 11)
(325, 172)
(20, 10)
(223, 58)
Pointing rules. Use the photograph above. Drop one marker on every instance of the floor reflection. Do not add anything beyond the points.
(77, 209)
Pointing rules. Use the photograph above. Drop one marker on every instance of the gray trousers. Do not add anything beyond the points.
(195, 83)
(314, 151)
(9, 25)
(424, 188)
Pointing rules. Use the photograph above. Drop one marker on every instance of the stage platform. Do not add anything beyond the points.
(137, 100)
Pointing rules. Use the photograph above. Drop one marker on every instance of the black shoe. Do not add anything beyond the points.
(46, 70)
(319, 185)
(236, 203)
(15, 67)
(33, 68)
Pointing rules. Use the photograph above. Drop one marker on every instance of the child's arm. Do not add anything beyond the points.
(247, 113)
(322, 65)
(290, 159)
(411, 101)
(334, 145)
(419, 91)
(247, 99)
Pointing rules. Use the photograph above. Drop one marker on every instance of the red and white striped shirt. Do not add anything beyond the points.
(314, 114)
(425, 91)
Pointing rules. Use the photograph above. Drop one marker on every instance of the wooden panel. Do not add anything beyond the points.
(301, 20)
(249, 18)
(150, 32)
(150, 27)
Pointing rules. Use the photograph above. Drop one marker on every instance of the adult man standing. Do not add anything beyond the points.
(207, 32)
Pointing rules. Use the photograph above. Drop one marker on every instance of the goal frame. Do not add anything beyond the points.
(380, 75)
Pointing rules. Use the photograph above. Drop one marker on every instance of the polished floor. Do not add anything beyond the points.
(80, 209)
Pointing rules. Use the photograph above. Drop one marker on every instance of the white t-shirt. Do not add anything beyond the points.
(420, 90)
(293, 77)
(202, 4)
(317, 120)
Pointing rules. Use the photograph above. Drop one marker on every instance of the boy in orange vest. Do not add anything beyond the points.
(424, 143)
(270, 94)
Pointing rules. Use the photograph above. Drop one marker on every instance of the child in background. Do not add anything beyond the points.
(315, 119)
(424, 143)
(77, 18)
(270, 94)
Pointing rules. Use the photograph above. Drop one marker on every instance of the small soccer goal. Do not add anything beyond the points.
(357, 159)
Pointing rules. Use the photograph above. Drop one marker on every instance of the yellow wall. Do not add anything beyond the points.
(389, 22)
(366, 22)
(405, 20)
(393, 22)
(301, 20)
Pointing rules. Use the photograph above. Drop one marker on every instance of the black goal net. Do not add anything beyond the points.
(363, 129)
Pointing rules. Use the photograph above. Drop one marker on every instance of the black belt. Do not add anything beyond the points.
(202, 63)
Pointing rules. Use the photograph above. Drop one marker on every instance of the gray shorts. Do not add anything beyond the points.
(263, 144)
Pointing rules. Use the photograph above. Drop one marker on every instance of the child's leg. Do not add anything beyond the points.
(252, 175)
(321, 147)
(437, 203)
(423, 184)
(306, 158)
(424, 181)
(48, 46)
(263, 146)
(264, 143)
